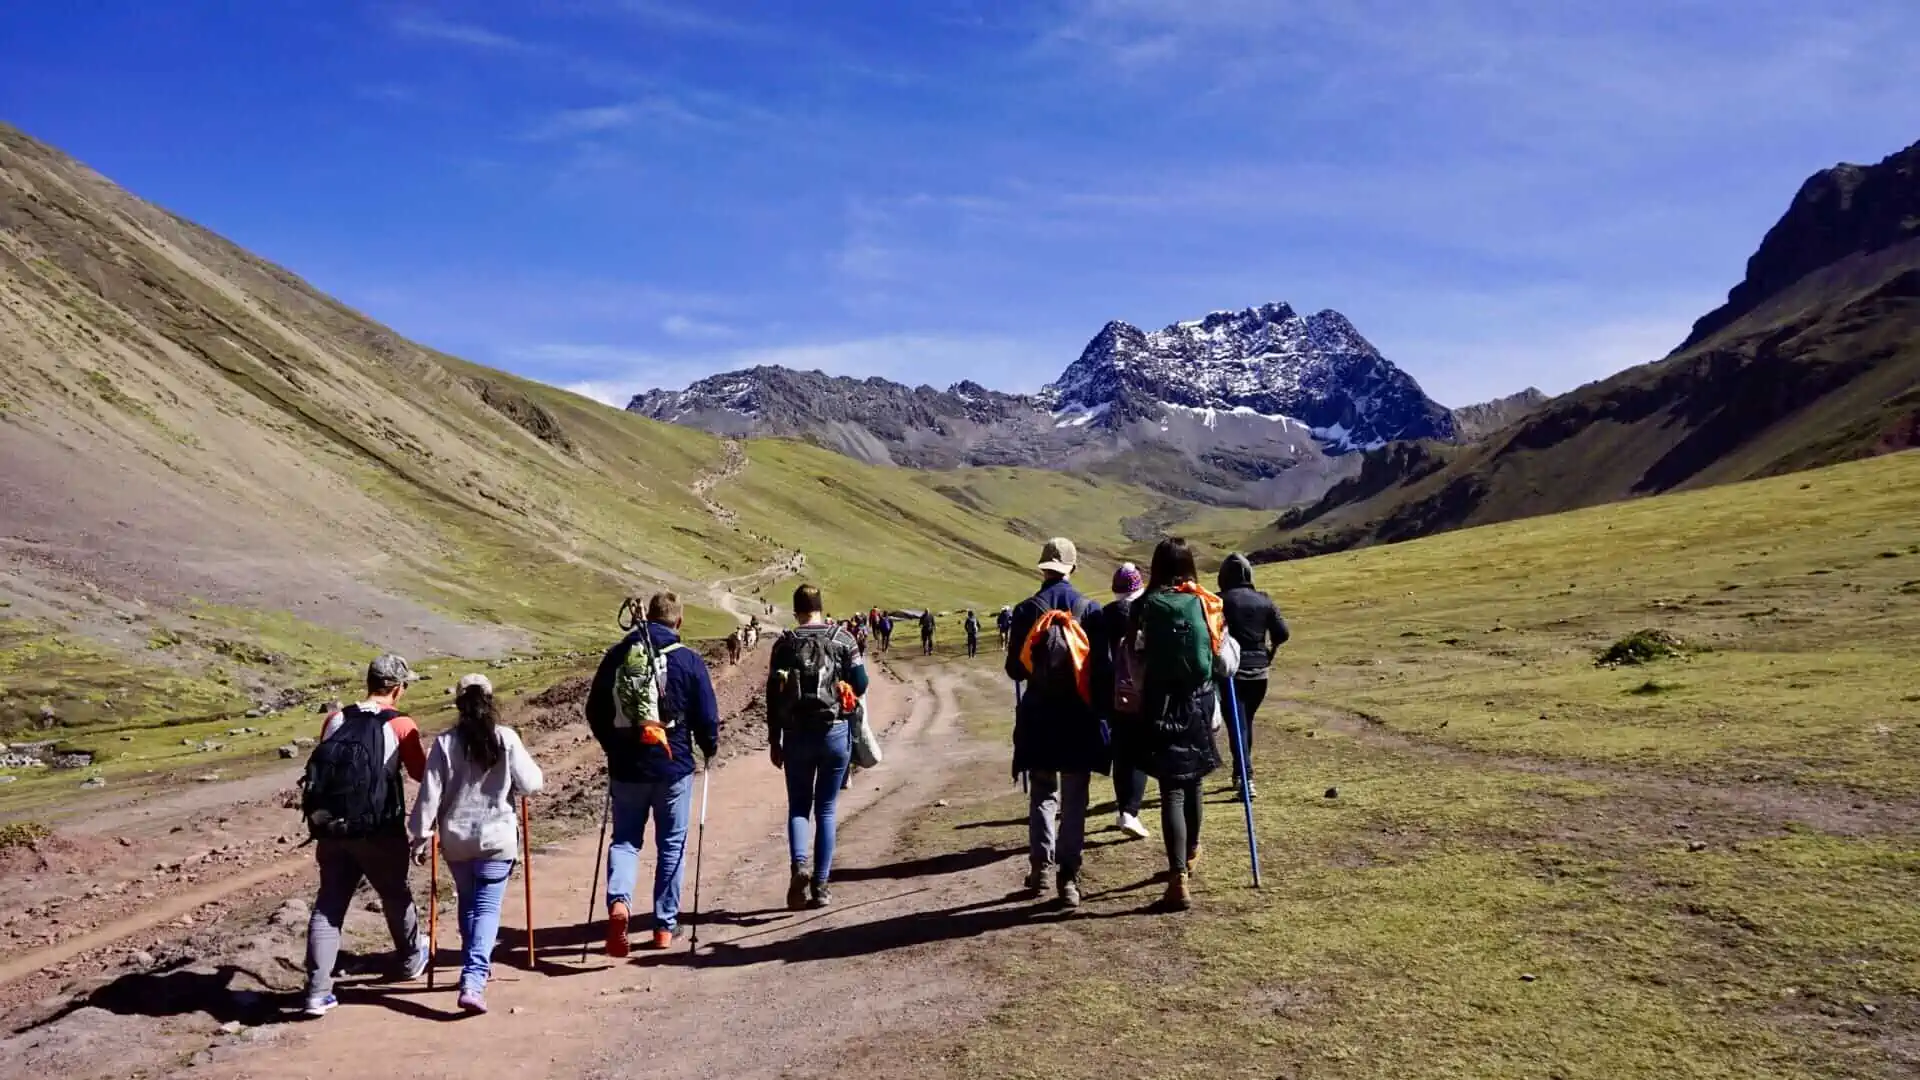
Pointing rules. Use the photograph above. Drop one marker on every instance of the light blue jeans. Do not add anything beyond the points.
(480, 884)
(670, 805)
(816, 765)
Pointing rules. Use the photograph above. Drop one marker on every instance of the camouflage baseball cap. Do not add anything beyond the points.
(390, 670)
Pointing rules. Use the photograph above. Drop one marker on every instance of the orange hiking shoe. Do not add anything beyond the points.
(617, 919)
(662, 941)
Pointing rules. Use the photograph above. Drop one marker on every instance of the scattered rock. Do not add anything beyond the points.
(304, 742)
(376, 907)
(515, 1011)
(1869, 1009)
(93, 782)
(48, 716)
(1333, 793)
(943, 804)
(142, 960)
(231, 1027)
(126, 738)
(290, 751)
(1696, 845)
(1529, 978)
(184, 921)
(210, 778)
(123, 841)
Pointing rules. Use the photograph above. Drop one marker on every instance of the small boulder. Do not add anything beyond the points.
(1696, 845)
(290, 751)
(231, 1027)
(94, 782)
(1333, 793)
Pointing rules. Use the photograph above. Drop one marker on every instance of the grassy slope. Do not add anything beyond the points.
(1683, 874)
(1827, 372)
(168, 359)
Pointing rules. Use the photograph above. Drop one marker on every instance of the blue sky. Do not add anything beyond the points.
(617, 194)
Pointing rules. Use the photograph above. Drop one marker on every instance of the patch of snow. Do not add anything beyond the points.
(1077, 415)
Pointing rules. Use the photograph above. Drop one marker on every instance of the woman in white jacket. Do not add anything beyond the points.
(476, 774)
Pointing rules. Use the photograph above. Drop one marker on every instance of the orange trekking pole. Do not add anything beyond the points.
(526, 845)
(433, 907)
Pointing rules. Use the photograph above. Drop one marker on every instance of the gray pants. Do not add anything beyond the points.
(1048, 842)
(382, 862)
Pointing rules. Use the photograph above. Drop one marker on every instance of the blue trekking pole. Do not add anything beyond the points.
(1246, 787)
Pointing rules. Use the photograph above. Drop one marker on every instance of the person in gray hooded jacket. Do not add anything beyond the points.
(1257, 626)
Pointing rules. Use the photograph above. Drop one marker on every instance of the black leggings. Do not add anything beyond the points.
(1180, 821)
(1129, 788)
(1250, 695)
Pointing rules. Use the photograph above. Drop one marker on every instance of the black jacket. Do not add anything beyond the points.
(840, 644)
(1060, 734)
(1252, 619)
(1128, 735)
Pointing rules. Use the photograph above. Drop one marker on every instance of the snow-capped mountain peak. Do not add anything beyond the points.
(1267, 360)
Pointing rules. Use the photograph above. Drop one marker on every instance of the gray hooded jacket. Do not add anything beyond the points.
(1252, 619)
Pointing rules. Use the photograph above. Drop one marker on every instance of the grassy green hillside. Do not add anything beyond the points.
(224, 490)
(1485, 855)
(1818, 362)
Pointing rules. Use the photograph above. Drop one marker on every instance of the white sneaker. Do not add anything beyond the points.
(1130, 825)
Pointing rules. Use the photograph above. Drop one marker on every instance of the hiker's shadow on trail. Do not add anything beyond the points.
(897, 932)
(179, 992)
(1007, 824)
(953, 862)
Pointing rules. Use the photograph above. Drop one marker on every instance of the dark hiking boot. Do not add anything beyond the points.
(1178, 897)
(1036, 882)
(797, 888)
(822, 896)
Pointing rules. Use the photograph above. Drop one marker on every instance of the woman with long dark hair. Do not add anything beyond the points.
(1180, 630)
(475, 777)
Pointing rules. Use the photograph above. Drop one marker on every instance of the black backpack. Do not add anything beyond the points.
(810, 684)
(349, 792)
(1059, 651)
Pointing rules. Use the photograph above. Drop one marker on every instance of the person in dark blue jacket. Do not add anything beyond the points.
(1059, 740)
(650, 774)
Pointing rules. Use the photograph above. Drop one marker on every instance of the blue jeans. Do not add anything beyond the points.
(816, 765)
(671, 806)
(480, 884)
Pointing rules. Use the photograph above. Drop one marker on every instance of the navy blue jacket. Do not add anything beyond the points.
(688, 701)
(1060, 734)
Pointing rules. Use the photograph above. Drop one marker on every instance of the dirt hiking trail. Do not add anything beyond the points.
(731, 595)
(771, 993)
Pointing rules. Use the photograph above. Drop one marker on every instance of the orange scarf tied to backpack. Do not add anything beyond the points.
(1077, 642)
(1213, 606)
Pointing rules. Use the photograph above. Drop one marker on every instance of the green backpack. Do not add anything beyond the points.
(1178, 646)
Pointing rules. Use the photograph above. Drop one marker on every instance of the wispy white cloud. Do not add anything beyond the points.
(426, 27)
(687, 328)
(690, 20)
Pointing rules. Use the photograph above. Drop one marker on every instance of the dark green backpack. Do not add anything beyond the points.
(1179, 649)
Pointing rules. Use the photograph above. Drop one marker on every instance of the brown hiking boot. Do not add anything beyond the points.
(1193, 857)
(1178, 896)
(798, 887)
(617, 919)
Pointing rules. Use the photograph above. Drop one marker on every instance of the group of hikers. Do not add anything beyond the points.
(1136, 688)
(1130, 688)
(650, 705)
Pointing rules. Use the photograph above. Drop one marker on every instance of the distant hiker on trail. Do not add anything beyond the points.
(1180, 630)
(1006, 624)
(651, 703)
(476, 775)
(1058, 651)
(926, 632)
(885, 629)
(734, 646)
(813, 684)
(1256, 625)
(1124, 720)
(355, 804)
(973, 634)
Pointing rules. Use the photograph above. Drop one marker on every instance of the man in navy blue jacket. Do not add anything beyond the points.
(652, 776)
(1058, 737)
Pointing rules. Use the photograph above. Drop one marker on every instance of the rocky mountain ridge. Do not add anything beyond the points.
(1260, 407)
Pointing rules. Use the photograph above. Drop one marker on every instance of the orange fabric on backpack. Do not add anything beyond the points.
(849, 700)
(1077, 643)
(1213, 606)
(656, 735)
